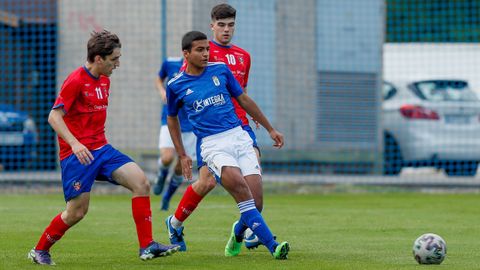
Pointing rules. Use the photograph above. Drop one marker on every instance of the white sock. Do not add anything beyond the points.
(175, 222)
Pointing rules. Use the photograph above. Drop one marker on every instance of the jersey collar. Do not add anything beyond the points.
(90, 74)
(220, 45)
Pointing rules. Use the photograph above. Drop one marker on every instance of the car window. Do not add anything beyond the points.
(444, 90)
(388, 91)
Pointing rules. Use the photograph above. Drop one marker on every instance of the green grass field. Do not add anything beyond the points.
(326, 231)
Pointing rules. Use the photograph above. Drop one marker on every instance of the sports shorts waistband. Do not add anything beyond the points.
(222, 134)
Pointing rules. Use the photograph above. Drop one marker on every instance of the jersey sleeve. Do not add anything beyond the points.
(184, 66)
(172, 102)
(67, 96)
(163, 73)
(232, 84)
(247, 69)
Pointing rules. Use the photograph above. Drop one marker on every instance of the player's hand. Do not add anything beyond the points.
(163, 96)
(277, 137)
(257, 124)
(82, 153)
(186, 162)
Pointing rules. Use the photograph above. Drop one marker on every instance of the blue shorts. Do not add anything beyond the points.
(78, 178)
(247, 128)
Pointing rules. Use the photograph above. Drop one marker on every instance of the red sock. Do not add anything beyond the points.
(142, 215)
(52, 233)
(189, 202)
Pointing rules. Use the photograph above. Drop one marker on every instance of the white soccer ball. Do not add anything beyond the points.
(429, 249)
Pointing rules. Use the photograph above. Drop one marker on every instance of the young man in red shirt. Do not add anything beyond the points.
(78, 117)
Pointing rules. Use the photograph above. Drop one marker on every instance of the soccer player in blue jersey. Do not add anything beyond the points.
(204, 91)
(170, 68)
(238, 61)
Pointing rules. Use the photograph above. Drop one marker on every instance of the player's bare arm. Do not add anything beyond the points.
(55, 119)
(257, 124)
(252, 109)
(176, 134)
(159, 82)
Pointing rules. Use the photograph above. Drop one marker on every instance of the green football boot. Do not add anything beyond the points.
(233, 247)
(281, 251)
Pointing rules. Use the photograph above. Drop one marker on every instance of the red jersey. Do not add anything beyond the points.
(84, 99)
(238, 61)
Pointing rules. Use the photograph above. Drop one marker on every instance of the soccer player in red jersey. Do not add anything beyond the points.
(238, 61)
(78, 117)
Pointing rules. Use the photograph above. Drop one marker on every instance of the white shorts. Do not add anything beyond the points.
(189, 141)
(234, 148)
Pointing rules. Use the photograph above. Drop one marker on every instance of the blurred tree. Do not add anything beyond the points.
(433, 21)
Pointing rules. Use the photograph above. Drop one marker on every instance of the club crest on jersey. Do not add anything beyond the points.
(240, 58)
(216, 81)
(77, 185)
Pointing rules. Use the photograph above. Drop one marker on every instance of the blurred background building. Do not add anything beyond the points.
(318, 72)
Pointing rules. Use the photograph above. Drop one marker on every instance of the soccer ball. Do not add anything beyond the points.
(429, 249)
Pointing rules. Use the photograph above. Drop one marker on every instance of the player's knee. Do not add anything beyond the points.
(203, 186)
(166, 161)
(210, 183)
(143, 187)
(80, 215)
(76, 215)
(167, 158)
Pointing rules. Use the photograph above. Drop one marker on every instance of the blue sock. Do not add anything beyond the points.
(252, 217)
(175, 182)
(239, 229)
(163, 173)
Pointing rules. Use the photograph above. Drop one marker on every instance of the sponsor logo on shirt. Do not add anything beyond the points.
(200, 104)
(100, 107)
(189, 91)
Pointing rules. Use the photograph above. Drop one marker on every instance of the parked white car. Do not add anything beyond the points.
(431, 123)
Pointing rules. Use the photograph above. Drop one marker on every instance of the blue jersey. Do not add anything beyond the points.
(170, 68)
(206, 99)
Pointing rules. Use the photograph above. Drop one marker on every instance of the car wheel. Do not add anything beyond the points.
(461, 168)
(392, 156)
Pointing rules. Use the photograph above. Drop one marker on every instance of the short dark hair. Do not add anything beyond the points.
(190, 37)
(223, 11)
(101, 43)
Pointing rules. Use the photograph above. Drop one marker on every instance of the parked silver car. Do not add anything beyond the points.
(431, 123)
